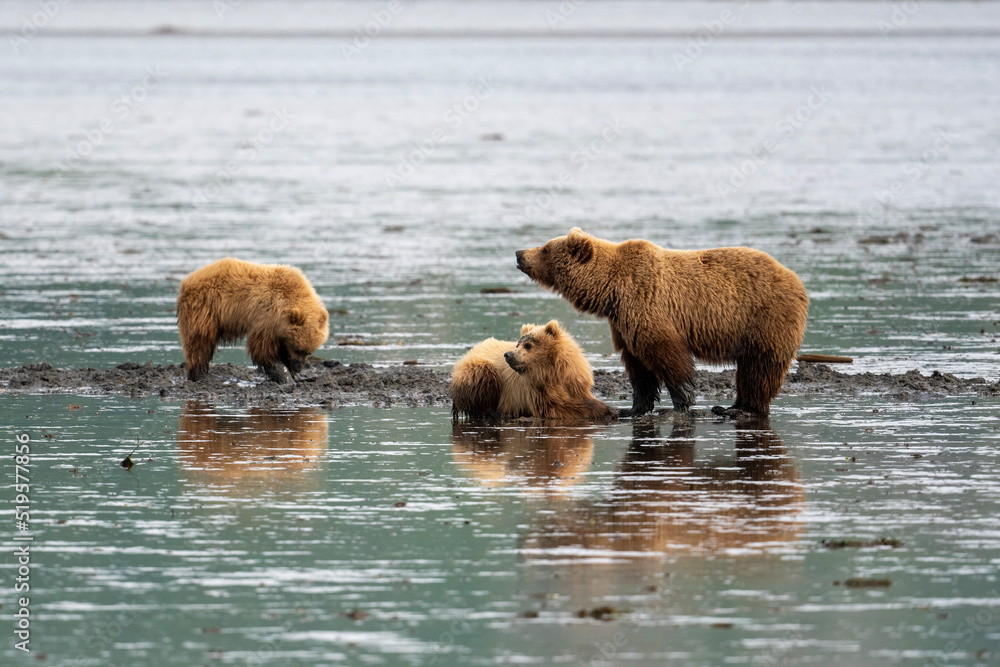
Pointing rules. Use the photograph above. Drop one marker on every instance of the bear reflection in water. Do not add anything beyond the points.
(244, 454)
(663, 500)
(543, 459)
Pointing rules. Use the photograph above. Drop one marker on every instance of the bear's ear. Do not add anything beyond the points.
(296, 317)
(553, 329)
(525, 328)
(323, 317)
(580, 246)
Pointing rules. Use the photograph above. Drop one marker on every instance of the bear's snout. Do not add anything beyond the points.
(522, 263)
(514, 364)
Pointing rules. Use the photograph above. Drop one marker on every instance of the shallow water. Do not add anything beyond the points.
(285, 150)
(366, 536)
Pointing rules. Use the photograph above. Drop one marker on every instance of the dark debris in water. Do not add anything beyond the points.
(901, 237)
(861, 582)
(355, 615)
(127, 462)
(358, 342)
(602, 613)
(862, 544)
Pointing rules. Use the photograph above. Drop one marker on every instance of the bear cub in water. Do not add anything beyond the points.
(542, 375)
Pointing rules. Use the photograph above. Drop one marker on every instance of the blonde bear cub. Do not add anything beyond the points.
(273, 306)
(543, 375)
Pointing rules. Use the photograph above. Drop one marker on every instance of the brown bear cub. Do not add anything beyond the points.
(543, 375)
(667, 306)
(274, 307)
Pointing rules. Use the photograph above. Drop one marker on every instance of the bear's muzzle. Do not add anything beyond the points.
(514, 364)
(522, 263)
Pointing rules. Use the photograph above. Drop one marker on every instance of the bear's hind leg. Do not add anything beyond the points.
(682, 395)
(476, 392)
(758, 381)
(199, 337)
(199, 347)
(197, 354)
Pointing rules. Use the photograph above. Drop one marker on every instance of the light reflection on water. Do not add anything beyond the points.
(367, 536)
(662, 501)
(90, 260)
(540, 459)
(241, 455)
(397, 537)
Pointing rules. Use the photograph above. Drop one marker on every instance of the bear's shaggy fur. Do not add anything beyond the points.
(667, 306)
(542, 375)
(273, 306)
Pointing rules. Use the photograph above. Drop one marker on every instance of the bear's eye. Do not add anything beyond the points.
(527, 347)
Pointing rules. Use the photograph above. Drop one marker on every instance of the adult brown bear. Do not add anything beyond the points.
(666, 307)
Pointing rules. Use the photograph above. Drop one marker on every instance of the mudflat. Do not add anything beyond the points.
(331, 384)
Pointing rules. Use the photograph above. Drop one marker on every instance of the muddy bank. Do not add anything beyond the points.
(332, 384)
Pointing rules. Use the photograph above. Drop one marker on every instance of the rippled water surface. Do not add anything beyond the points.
(401, 179)
(367, 536)
(866, 164)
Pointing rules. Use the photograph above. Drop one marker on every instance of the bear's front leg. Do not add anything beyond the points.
(276, 373)
(645, 386)
(292, 363)
(265, 353)
(675, 368)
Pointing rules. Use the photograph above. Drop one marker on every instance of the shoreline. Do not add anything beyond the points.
(331, 384)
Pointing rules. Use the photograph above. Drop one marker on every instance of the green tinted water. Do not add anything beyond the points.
(368, 536)
(245, 537)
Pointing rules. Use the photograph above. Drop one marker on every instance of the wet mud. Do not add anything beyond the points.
(333, 384)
